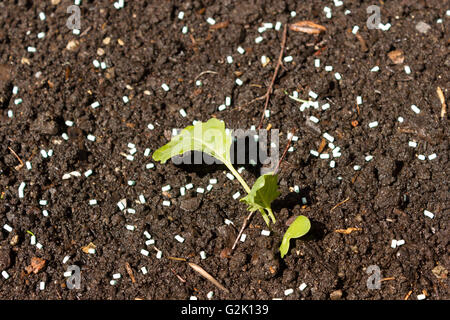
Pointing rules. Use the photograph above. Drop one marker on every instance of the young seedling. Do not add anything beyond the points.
(212, 138)
(297, 229)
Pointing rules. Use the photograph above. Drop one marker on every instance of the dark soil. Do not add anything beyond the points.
(386, 199)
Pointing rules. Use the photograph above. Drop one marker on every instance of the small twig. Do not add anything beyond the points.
(178, 276)
(207, 276)
(205, 72)
(442, 98)
(277, 68)
(284, 152)
(244, 225)
(18, 158)
(130, 272)
(340, 203)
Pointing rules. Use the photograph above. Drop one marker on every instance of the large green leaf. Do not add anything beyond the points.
(209, 137)
(263, 192)
(297, 229)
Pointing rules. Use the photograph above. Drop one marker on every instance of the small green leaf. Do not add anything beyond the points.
(263, 192)
(297, 229)
(209, 137)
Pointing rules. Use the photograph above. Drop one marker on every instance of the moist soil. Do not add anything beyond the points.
(143, 47)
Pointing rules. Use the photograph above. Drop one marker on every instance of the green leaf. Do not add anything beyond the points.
(209, 137)
(263, 192)
(297, 229)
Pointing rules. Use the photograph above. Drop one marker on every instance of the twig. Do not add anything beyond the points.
(207, 276)
(284, 152)
(340, 203)
(277, 68)
(18, 158)
(244, 225)
(130, 272)
(205, 72)
(442, 98)
(178, 276)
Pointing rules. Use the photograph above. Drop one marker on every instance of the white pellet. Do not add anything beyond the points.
(7, 228)
(243, 237)
(151, 126)
(150, 242)
(210, 294)
(200, 190)
(338, 76)
(368, 158)
(91, 137)
(211, 21)
(145, 252)
(326, 106)
(356, 168)
(314, 153)
(312, 94)
(314, 119)
(317, 63)
(166, 203)
(355, 29)
(359, 100)
(328, 137)
(259, 39)
(241, 50)
(189, 186)
(421, 297)
(144, 270)
(375, 69)
(222, 107)
(288, 292)
(230, 176)
(21, 189)
(239, 82)
(373, 124)
(184, 30)
(421, 157)
(432, 156)
(165, 87)
(407, 70)
(230, 59)
(278, 26)
(428, 214)
(149, 166)
(236, 195)
(303, 286)
(181, 15)
(203, 255)
(393, 244)
(5, 275)
(166, 188)
(324, 156)
(288, 59)
(328, 68)
(415, 109)
(265, 233)
(117, 276)
(412, 144)
(66, 258)
(159, 255)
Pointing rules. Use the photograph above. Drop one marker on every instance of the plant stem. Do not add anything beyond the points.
(238, 176)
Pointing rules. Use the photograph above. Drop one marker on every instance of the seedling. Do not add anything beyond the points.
(297, 229)
(211, 138)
